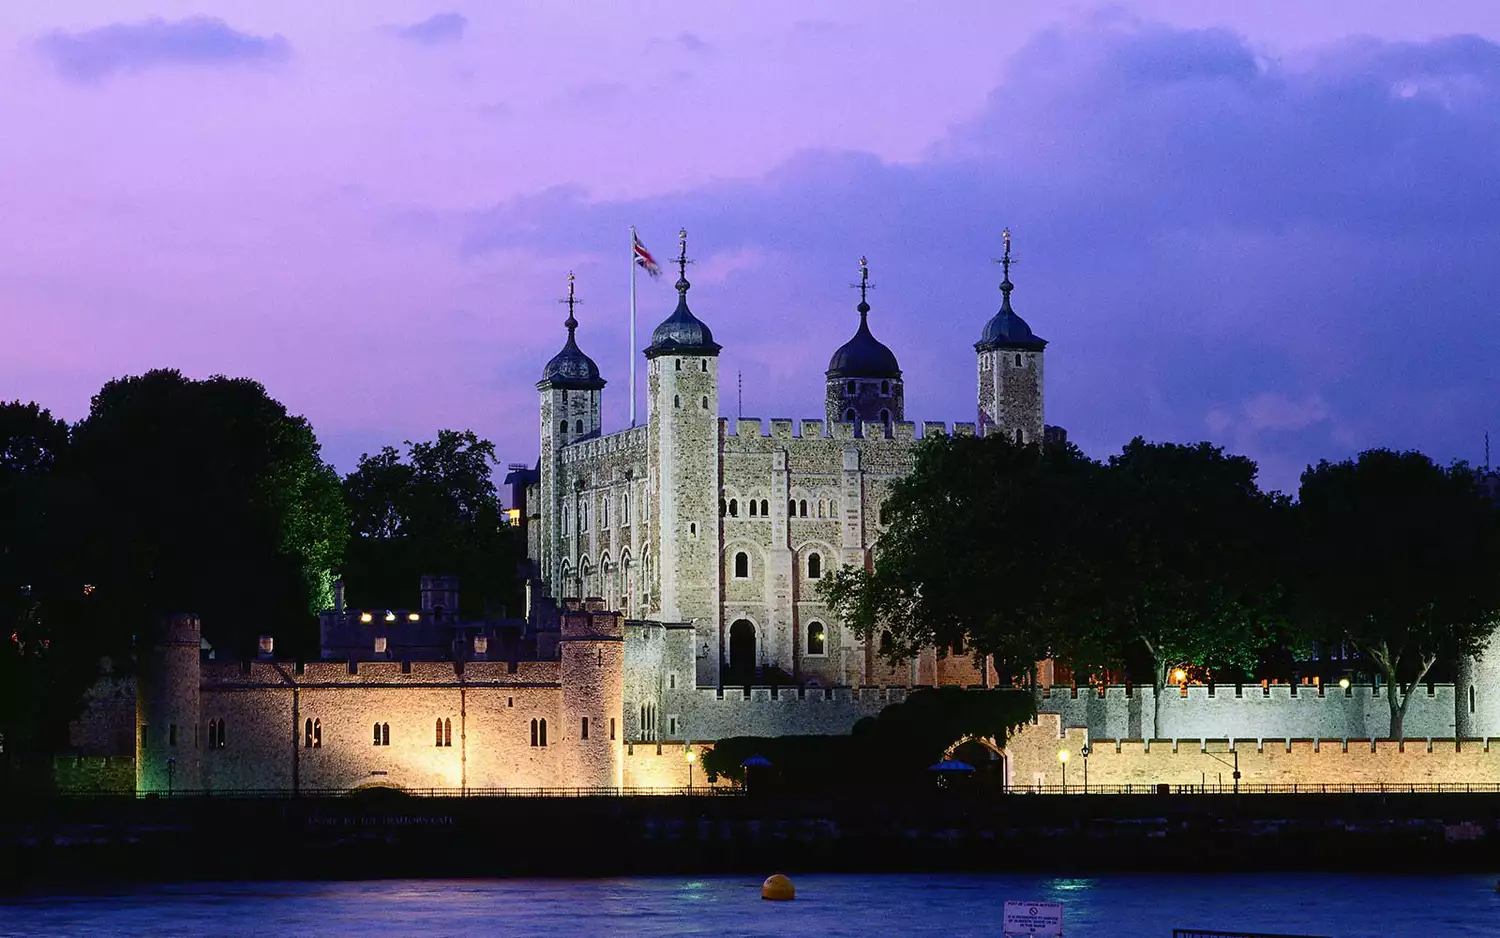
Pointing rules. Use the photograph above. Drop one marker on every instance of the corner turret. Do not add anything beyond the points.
(1010, 370)
(167, 714)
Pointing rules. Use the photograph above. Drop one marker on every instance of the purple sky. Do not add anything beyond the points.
(1269, 224)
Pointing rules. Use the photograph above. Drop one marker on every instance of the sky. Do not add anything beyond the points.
(1269, 225)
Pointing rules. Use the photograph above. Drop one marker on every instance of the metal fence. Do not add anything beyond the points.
(1246, 788)
(383, 791)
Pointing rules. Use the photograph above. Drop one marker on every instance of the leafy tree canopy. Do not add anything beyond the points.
(208, 497)
(1400, 557)
(434, 511)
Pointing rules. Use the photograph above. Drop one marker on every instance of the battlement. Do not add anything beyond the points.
(378, 673)
(591, 622)
(816, 428)
(632, 439)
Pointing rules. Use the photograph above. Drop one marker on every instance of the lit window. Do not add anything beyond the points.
(366, 617)
(817, 638)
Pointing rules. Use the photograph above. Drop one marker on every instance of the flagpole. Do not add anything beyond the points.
(633, 266)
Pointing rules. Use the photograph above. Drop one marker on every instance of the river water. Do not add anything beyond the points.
(1148, 906)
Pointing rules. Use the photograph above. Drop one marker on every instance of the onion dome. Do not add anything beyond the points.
(682, 333)
(863, 356)
(570, 369)
(1006, 329)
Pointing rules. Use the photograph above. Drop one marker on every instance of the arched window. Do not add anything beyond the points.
(382, 734)
(307, 734)
(753, 507)
(850, 416)
(802, 508)
(1018, 359)
(723, 508)
(885, 418)
(705, 402)
(741, 566)
(692, 529)
(578, 426)
(885, 387)
(562, 429)
(439, 741)
(676, 401)
(377, 734)
(791, 508)
(734, 508)
(703, 366)
(821, 504)
(885, 514)
(887, 641)
(317, 733)
(1020, 435)
(678, 363)
(765, 508)
(542, 735)
(534, 733)
(817, 638)
(814, 566)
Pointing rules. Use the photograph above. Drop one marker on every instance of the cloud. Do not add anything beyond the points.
(1197, 223)
(90, 56)
(682, 42)
(437, 28)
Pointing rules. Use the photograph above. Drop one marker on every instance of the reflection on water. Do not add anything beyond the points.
(1148, 906)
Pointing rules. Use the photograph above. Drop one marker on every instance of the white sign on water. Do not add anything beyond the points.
(1027, 919)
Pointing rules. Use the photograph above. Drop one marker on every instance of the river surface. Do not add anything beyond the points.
(863, 906)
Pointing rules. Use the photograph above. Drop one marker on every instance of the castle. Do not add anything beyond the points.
(687, 553)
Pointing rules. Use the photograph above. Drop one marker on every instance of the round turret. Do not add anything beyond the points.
(167, 714)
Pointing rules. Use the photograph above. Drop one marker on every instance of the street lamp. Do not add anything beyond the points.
(691, 757)
(1062, 756)
(1085, 751)
(1235, 766)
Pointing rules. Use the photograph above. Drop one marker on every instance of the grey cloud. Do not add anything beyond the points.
(90, 56)
(437, 28)
(1298, 262)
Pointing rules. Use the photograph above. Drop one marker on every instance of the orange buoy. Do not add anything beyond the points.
(778, 887)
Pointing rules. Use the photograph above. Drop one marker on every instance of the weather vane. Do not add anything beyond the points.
(864, 284)
(682, 258)
(572, 301)
(1006, 261)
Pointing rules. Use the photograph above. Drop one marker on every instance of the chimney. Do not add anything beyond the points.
(267, 648)
(338, 595)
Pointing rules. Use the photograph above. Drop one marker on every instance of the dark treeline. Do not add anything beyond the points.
(173, 494)
(1168, 557)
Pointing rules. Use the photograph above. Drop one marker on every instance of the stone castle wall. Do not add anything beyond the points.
(1032, 760)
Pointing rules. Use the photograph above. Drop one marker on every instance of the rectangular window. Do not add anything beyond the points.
(171, 734)
(510, 701)
(585, 727)
(611, 727)
(671, 681)
(671, 726)
(143, 736)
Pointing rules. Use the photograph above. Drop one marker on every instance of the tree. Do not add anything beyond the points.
(1400, 557)
(1186, 545)
(49, 646)
(208, 497)
(436, 512)
(988, 546)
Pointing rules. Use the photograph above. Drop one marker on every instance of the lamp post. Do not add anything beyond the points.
(1085, 753)
(691, 757)
(1235, 765)
(1062, 756)
(171, 772)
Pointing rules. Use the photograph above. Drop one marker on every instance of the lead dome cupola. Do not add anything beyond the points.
(682, 333)
(1006, 329)
(570, 368)
(863, 356)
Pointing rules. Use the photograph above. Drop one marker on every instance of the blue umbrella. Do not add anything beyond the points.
(951, 765)
(756, 762)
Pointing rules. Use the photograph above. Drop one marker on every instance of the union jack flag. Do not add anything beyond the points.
(644, 259)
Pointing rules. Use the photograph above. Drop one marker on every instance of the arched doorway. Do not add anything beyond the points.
(742, 649)
(991, 771)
